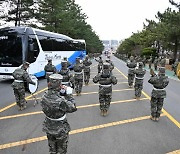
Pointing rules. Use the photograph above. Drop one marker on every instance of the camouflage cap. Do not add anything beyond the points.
(106, 65)
(162, 70)
(140, 64)
(26, 63)
(55, 81)
(131, 58)
(65, 58)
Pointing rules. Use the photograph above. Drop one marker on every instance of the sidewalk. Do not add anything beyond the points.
(169, 73)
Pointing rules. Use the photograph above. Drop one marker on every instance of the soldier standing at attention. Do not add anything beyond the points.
(100, 63)
(131, 64)
(105, 79)
(139, 76)
(78, 76)
(158, 94)
(49, 69)
(55, 108)
(87, 62)
(68, 79)
(20, 76)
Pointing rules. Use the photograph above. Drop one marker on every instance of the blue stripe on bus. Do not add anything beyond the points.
(71, 59)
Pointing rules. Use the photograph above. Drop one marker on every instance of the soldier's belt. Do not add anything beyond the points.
(158, 89)
(78, 72)
(18, 80)
(59, 119)
(108, 85)
(49, 73)
(139, 78)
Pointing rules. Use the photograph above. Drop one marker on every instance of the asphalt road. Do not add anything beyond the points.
(126, 130)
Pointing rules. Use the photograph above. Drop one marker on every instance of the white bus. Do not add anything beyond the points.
(20, 44)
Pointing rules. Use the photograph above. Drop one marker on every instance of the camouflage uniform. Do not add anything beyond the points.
(108, 60)
(100, 64)
(139, 76)
(105, 79)
(49, 69)
(150, 62)
(144, 61)
(158, 94)
(162, 61)
(174, 66)
(155, 63)
(87, 70)
(131, 64)
(20, 77)
(55, 108)
(78, 76)
(68, 79)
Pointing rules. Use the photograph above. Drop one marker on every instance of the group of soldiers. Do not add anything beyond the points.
(58, 100)
(159, 81)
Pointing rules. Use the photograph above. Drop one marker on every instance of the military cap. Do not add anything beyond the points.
(65, 58)
(140, 64)
(131, 58)
(26, 63)
(49, 60)
(106, 65)
(161, 70)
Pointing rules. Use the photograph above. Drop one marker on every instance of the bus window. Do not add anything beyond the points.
(33, 49)
(10, 50)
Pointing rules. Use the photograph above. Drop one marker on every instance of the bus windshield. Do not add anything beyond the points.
(10, 49)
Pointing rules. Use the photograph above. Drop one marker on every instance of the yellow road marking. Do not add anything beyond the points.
(98, 84)
(13, 104)
(79, 107)
(171, 118)
(97, 92)
(76, 131)
(174, 152)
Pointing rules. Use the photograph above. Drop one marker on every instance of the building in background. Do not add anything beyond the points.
(110, 45)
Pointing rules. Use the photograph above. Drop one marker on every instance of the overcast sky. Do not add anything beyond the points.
(117, 19)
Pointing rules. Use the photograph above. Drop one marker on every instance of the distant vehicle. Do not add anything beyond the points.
(19, 44)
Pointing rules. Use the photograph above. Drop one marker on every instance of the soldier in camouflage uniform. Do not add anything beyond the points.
(87, 62)
(68, 79)
(131, 65)
(49, 69)
(174, 67)
(108, 60)
(162, 62)
(139, 76)
(100, 63)
(55, 108)
(144, 60)
(155, 63)
(105, 79)
(150, 62)
(158, 94)
(78, 76)
(20, 77)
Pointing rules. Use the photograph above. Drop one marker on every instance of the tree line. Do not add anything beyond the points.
(156, 36)
(60, 16)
